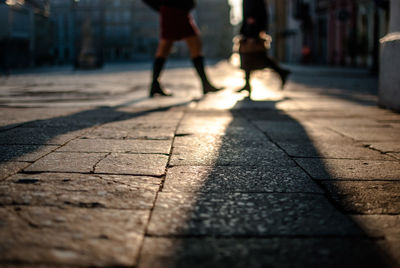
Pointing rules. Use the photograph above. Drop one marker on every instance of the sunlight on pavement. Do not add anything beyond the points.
(263, 92)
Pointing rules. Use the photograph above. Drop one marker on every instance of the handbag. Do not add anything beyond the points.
(244, 44)
(253, 51)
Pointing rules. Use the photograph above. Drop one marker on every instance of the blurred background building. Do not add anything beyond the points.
(91, 32)
(334, 32)
(123, 30)
(25, 33)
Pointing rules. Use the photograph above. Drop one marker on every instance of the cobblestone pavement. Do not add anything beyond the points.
(93, 173)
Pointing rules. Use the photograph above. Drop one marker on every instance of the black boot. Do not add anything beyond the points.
(157, 90)
(198, 63)
(284, 75)
(247, 86)
(155, 85)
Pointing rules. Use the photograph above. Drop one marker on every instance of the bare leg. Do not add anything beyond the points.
(164, 48)
(195, 48)
(283, 73)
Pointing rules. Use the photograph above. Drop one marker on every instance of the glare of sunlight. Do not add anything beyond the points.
(262, 92)
(236, 11)
(15, 2)
(234, 60)
(226, 99)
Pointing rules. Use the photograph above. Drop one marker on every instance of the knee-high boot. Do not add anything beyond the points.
(155, 88)
(198, 63)
(283, 73)
(247, 86)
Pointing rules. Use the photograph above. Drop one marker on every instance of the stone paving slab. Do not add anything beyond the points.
(273, 252)
(27, 153)
(267, 115)
(216, 123)
(395, 124)
(136, 134)
(380, 225)
(142, 123)
(146, 120)
(10, 168)
(244, 130)
(294, 131)
(325, 149)
(238, 214)
(83, 119)
(366, 197)
(238, 179)
(227, 150)
(39, 136)
(15, 116)
(354, 121)
(67, 162)
(213, 119)
(393, 146)
(344, 169)
(395, 155)
(68, 236)
(302, 115)
(384, 225)
(117, 146)
(133, 164)
(370, 133)
(3, 265)
(79, 190)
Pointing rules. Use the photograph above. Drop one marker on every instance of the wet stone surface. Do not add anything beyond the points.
(238, 179)
(336, 169)
(70, 236)
(274, 252)
(79, 190)
(247, 214)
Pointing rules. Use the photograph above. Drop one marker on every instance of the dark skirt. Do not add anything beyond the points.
(254, 61)
(176, 24)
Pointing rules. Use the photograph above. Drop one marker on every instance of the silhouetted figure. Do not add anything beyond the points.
(255, 22)
(177, 24)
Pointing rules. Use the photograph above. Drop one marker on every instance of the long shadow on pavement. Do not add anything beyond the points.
(29, 141)
(236, 197)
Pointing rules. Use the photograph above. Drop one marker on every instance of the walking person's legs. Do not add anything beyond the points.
(247, 86)
(163, 50)
(283, 73)
(195, 48)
